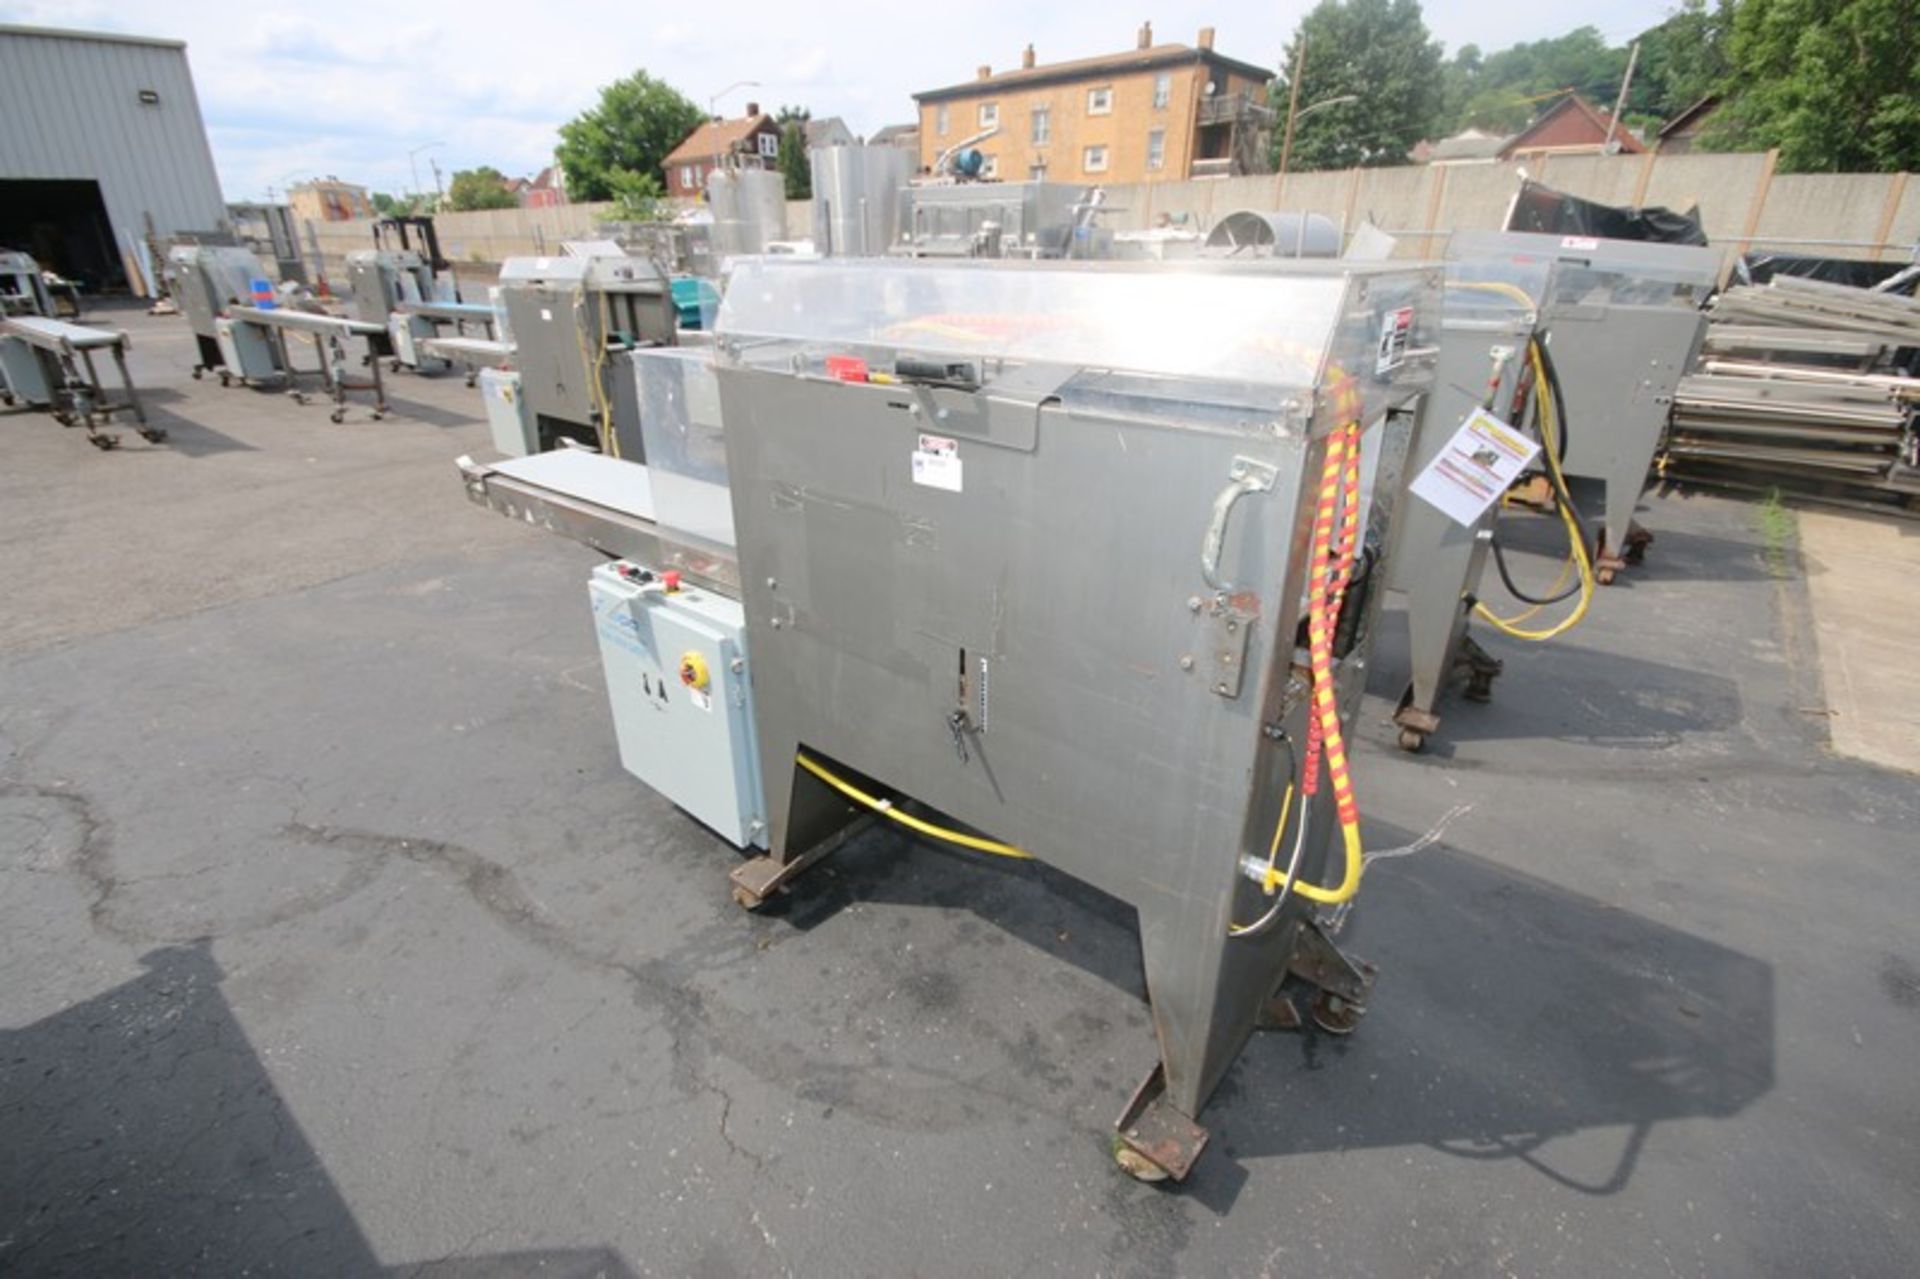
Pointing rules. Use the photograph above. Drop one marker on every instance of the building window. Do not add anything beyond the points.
(686, 177)
(1042, 125)
(991, 167)
(769, 144)
(989, 114)
(1094, 160)
(1162, 91)
(940, 120)
(1157, 149)
(1100, 101)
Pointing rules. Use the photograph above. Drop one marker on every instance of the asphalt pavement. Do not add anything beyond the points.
(336, 942)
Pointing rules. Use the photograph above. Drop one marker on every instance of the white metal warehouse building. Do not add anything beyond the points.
(101, 144)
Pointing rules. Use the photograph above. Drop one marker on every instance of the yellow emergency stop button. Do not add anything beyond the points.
(693, 672)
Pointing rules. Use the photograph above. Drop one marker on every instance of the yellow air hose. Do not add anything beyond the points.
(1576, 540)
(885, 808)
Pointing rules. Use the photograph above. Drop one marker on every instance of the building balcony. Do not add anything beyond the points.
(1235, 108)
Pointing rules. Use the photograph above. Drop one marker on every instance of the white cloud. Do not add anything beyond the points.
(351, 87)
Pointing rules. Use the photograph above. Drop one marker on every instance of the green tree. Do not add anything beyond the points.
(1503, 91)
(794, 166)
(1835, 84)
(388, 206)
(641, 196)
(637, 122)
(1378, 51)
(481, 188)
(1682, 60)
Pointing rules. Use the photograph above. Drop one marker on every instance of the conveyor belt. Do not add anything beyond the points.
(306, 321)
(470, 350)
(52, 335)
(602, 502)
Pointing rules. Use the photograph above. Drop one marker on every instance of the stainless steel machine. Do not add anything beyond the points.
(574, 320)
(1488, 323)
(749, 210)
(23, 289)
(856, 199)
(49, 364)
(1624, 323)
(1002, 220)
(205, 280)
(331, 337)
(1076, 559)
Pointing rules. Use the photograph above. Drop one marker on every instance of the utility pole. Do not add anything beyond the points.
(439, 190)
(1620, 103)
(1293, 103)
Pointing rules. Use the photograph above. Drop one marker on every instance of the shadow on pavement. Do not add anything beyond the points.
(1510, 1011)
(140, 1134)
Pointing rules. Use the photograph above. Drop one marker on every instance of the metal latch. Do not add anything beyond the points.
(1227, 631)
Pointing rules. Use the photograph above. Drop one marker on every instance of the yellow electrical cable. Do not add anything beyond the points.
(1577, 542)
(885, 808)
(1513, 291)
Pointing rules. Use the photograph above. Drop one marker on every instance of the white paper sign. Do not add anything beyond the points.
(936, 463)
(1468, 474)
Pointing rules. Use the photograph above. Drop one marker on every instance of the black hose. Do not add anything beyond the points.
(1506, 579)
(1559, 399)
(1560, 493)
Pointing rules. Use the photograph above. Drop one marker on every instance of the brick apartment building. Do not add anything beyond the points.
(1156, 112)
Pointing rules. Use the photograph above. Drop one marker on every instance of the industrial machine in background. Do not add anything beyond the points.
(23, 287)
(856, 199)
(574, 320)
(749, 208)
(1623, 322)
(331, 337)
(48, 363)
(1491, 401)
(1002, 220)
(1085, 558)
(404, 285)
(204, 280)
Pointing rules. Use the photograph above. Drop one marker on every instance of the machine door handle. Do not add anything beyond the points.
(1245, 476)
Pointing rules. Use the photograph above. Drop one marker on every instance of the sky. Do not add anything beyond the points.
(376, 93)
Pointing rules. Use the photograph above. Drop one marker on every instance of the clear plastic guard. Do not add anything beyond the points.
(686, 450)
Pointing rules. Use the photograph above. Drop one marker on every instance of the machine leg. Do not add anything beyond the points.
(379, 393)
(817, 822)
(1619, 534)
(1480, 667)
(153, 434)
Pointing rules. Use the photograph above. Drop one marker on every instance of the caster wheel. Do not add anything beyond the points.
(1335, 1015)
(104, 442)
(1479, 690)
(197, 372)
(1135, 1164)
(225, 380)
(337, 416)
(154, 437)
(1604, 576)
(394, 367)
(379, 417)
(1412, 740)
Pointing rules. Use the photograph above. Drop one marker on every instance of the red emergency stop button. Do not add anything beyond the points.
(671, 580)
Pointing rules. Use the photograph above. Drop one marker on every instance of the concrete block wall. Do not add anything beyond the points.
(1741, 201)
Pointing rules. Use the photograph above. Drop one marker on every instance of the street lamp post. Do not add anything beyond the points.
(413, 161)
(1294, 117)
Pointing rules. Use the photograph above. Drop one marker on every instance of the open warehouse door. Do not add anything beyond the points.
(63, 224)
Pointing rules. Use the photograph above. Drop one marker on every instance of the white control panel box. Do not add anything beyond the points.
(677, 677)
